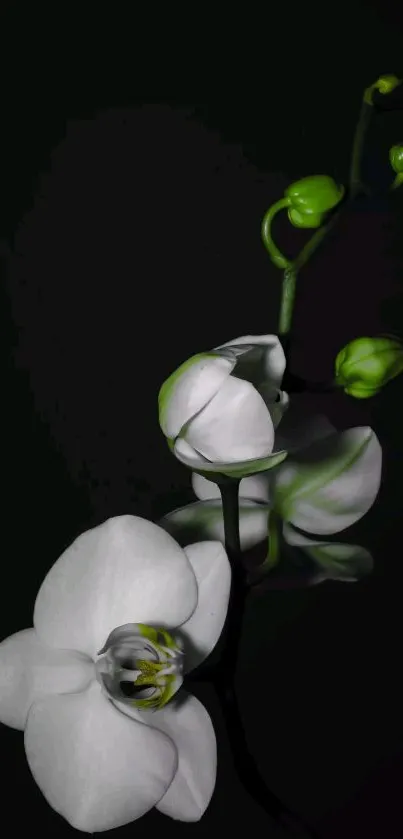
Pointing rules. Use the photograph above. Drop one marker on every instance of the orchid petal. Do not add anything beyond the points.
(187, 723)
(264, 358)
(331, 484)
(213, 574)
(335, 560)
(204, 520)
(95, 766)
(187, 455)
(256, 487)
(29, 670)
(190, 727)
(190, 388)
(277, 409)
(235, 425)
(205, 489)
(126, 570)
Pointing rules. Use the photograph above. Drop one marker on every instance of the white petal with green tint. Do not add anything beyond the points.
(332, 483)
(235, 425)
(190, 388)
(335, 560)
(95, 766)
(186, 722)
(126, 570)
(30, 670)
(204, 520)
(187, 455)
(256, 487)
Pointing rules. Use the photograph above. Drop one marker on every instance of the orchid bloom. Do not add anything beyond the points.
(219, 410)
(328, 482)
(123, 605)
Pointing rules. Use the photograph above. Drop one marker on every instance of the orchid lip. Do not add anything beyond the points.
(134, 667)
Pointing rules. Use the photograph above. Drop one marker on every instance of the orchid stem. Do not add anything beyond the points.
(224, 680)
(229, 490)
(356, 186)
(355, 182)
(287, 301)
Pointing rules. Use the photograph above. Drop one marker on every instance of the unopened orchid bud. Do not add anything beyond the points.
(385, 84)
(307, 202)
(311, 198)
(365, 365)
(219, 409)
(396, 162)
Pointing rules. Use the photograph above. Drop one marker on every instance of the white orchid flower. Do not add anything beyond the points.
(328, 482)
(205, 516)
(219, 410)
(102, 620)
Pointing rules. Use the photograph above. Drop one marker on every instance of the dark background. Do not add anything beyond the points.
(136, 166)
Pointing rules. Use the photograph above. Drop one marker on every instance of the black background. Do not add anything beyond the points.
(137, 162)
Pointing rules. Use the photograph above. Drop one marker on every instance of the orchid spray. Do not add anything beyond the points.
(226, 415)
(128, 615)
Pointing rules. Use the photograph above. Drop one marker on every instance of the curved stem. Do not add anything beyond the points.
(275, 254)
(248, 772)
(355, 183)
(316, 240)
(291, 273)
(224, 679)
(355, 187)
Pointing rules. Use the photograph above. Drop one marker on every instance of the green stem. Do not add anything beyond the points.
(355, 183)
(287, 301)
(225, 674)
(229, 490)
(355, 187)
(291, 273)
(315, 241)
(275, 254)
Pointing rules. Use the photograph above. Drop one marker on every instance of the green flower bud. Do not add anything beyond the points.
(396, 158)
(307, 201)
(385, 84)
(365, 365)
(311, 198)
(396, 162)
